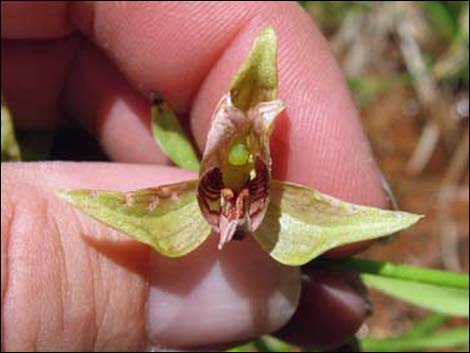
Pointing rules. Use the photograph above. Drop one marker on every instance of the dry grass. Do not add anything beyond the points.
(407, 63)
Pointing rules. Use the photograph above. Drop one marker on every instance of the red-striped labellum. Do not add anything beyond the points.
(233, 196)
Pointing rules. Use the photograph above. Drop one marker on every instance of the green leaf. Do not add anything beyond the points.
(167, 217)
(442, 340)
(301, 223)
(428, 325)
(264, 343)
(246, 347)
(401, 271)
(273, 344)
(445, 300)
(9, 146)
(256, 80)
(169, 135)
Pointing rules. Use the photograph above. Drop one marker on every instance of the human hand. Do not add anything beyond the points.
(71, 283)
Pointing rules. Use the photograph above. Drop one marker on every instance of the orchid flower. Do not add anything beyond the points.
(235, 196)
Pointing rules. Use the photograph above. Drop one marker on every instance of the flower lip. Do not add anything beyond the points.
(233, 189)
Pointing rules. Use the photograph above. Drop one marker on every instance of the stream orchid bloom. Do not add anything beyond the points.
(235, 196)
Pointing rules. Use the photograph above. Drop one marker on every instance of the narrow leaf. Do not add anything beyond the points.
(273, 344)
(167, 217)
(401, 271)
(451, 301)
(9, 145)
(256, 80)
(301, 223)
(452, 338)
(169, 135)
(428, 325)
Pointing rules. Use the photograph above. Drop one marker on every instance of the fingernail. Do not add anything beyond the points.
(212, 297)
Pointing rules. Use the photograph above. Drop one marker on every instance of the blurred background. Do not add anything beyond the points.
(407, 66)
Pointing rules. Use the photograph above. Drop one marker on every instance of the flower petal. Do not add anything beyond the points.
(301, 223)
(166, 217)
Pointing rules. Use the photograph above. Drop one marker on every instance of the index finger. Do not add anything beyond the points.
(189, 51)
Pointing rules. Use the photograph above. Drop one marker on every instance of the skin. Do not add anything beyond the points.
(70, 283)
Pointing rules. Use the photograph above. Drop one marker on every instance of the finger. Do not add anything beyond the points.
(70, 283)
(206, 53)
(33, 76)
(322, 118)
(332, 307)
(319, 142)
(117, 114)
(34, 19)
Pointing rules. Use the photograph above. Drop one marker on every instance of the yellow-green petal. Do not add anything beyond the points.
(167, 217)
(256, 80)
(169, 135)
(301, 223)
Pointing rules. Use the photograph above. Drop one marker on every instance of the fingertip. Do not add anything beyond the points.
(33, 75)
(213, 297)
(35, 19)
(119, 116)
(332, 307)
(206, 298)
(319, 140)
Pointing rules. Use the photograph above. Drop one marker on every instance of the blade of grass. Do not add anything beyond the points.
(446, 339)
(403, 272)
(247, 347)
(273, 344)
(428, 325)
(445, 300)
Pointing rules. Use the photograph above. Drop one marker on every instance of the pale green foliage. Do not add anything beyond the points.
(171, 138)
(401, 271)
(452, 301)
(301, 223)
(256, 80)
(10, 149)
(167, 218)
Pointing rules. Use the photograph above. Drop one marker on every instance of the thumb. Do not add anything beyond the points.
(71, 283)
